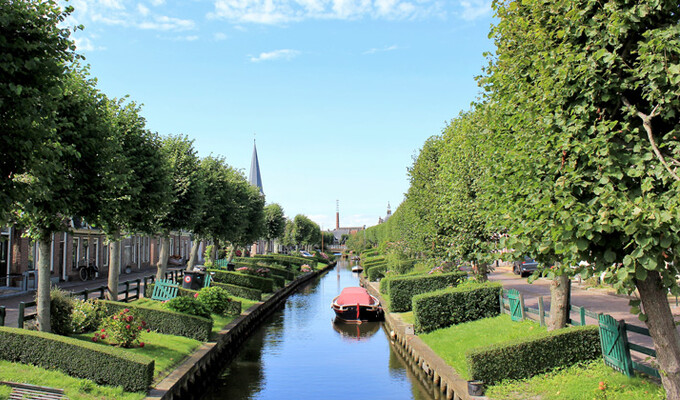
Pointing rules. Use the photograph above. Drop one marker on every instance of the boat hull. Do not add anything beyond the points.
(366, 314)
(355, 304)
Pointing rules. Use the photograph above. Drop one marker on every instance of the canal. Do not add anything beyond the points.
(300, 353)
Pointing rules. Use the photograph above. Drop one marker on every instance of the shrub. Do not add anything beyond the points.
(240, 291)
(166, 321)
(188, 305)
(264, 284)
(208, 256)
(121, 329)
(102, 364)
(533, 356)
(468, 302)
(376, 272)
(86, 315)
(402, 289)
(61, 308)
(215, 299)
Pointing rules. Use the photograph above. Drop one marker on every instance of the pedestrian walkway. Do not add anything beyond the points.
(10, 298)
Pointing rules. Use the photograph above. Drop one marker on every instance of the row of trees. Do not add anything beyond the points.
(67, 150)
(570, 155)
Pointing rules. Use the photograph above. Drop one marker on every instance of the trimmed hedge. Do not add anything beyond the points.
(373, 260)
(266, 285)
(234, 307)
(377, 272)
(240, 291)
(468, 302)
(166, 321)
(102, 364)
(286, 260)
(533, 356)
(402, 289)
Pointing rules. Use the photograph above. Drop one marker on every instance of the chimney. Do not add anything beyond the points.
(337, 214)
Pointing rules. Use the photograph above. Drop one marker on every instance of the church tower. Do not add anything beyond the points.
(255, 179)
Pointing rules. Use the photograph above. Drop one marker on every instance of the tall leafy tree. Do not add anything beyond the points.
(69, 178)
(275, 221)
(137, 185)
(592, 89)
(186, 192)
(36, 52)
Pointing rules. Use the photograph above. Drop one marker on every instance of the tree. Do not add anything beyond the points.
(186, 192)
(70, 175)
(137, 187)
(275, 221)
(36, 51)
(591, 92)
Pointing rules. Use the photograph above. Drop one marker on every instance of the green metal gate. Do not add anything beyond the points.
(614, 343)
(515, 305)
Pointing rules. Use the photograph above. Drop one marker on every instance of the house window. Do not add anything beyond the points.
(105, 253)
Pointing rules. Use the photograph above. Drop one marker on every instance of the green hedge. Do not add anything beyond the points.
(234, 307)
(104, 365)
(376, 272)
(166, 321)
(265, 285)
(533, 356)
(402, 289)
(286, 260)
(468, 302)
(240, 291)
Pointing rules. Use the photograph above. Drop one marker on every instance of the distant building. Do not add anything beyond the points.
(389, 214)
(255, 179)
(338, 232)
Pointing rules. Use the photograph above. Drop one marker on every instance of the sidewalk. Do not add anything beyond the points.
(11, 297)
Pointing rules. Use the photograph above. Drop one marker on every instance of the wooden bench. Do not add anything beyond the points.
(164, 290)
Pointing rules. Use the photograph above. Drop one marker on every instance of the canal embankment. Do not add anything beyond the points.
(443, 377)
(191, 378)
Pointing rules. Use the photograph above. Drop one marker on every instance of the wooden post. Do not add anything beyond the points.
(22, 309)
(86, 292)
(541, 311)
(521, 305)
(2, 315)
(582, 312)
(139, 283)
(127, 291)
(102, 291)
(500, 300)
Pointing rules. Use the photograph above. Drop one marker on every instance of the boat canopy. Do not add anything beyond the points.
(354, 295)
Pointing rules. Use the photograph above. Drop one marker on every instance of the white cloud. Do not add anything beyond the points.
(144, 10)
(157, 2)
(284, 11)
(219, 36)
(163, 23)
(285, 54)
(85, 44)
(473, 9)
(381, 50)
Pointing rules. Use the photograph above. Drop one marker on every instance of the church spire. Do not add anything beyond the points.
(255, 179)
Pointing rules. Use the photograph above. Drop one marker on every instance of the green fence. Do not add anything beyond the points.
(614, 341)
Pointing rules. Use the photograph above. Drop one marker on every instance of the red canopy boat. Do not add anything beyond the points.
(354, 304)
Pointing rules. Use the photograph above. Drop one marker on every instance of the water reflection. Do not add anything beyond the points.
(299, 353)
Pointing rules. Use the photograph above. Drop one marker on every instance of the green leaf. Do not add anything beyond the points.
(642, 317)
(640, 274)
(582, 244)
(609, 256)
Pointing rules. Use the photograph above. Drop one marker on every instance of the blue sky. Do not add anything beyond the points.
(340, 94)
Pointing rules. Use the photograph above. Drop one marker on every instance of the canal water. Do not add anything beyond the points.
(300, 353)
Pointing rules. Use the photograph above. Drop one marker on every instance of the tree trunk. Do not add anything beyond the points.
(276, 246)
(43, 293)
(230, 254)
(194, 254)
(560, 288)
(114, 267)
(663, 332)
(481, 272)
(163, 257)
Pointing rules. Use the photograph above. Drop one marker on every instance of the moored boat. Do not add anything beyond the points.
(357, 268)
(355, 304)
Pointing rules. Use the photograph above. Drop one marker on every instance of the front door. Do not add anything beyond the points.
(4, 264)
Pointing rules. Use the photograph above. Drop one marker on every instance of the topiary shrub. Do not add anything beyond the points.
(188, 305)
(167, 321)
(102, 364)
(264, 284)
(61, 308)
(533, 356)
(86, 315)
(377, 272)
(467, 302)
(402, 289)
(215, 299)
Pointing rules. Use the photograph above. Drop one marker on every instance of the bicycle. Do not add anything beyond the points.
(88, 271)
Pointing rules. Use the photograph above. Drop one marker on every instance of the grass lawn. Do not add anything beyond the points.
(167, 350)
(407, 317)
(451, 343)
(74, 388)
(579, 382)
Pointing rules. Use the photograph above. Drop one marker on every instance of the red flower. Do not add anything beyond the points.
(141, 344)
(103, 336)
(103, 330)
(129, 318)
(196, 295)
(148, 330)
(94, 339)
(127, 326)
(139, 327)
(126, 310)
(143, 323)
(115, 317)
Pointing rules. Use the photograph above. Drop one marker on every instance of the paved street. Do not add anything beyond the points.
(595, 300)
(11, 299)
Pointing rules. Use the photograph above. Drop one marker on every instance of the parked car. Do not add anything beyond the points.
(524, 267)
(305, 254)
